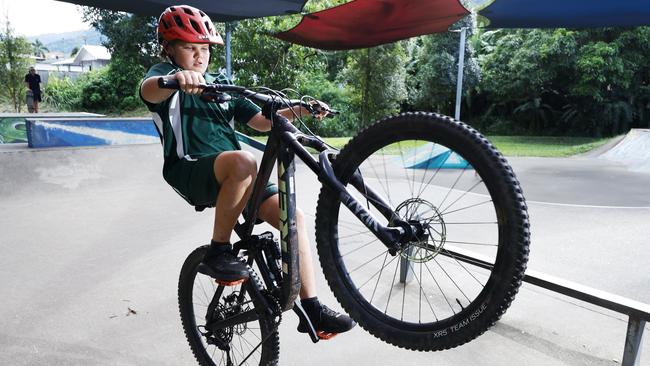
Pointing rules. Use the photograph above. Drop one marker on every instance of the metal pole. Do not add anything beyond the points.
(228, 55)
(632, 352)
(461, 65)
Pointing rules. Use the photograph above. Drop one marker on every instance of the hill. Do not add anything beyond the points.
(65, 42)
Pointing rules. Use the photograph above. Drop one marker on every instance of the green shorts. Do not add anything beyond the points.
(195, 181)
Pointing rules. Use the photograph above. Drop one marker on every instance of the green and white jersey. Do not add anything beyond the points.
(191, 128)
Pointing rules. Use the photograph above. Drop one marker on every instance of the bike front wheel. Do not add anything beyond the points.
(202, 301)
(461, 274)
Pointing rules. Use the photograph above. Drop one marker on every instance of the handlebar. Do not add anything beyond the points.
(214, 92)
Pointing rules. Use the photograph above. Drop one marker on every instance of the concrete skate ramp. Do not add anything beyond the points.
(92, 240)
(633, 151)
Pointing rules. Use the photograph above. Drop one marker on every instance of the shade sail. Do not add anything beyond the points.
(218, 10)
(567, 13)
(367, 23)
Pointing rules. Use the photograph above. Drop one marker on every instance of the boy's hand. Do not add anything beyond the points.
(189, 81)
(321, 109)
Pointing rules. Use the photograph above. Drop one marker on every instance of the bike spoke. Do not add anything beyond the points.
(452, 280)
(466, 270)
(443, 210)
(383, 265)
(472, 243)
(361, 247)
(466, 207)
(442, 292)
(366, 263)
(434, 175)
(426, 297)
(406, 174)
(384, 188)
(453, 186)
(433, 145)
(391, 287)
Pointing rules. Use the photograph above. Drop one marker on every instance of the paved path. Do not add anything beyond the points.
(87, 234)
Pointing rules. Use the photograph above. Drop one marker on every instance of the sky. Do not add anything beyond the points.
(35, 17)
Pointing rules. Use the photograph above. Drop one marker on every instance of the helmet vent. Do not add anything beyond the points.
(164, 23)
(188, 11)
(179, 21)
(202, 13)
(207, 26)
(196, 27)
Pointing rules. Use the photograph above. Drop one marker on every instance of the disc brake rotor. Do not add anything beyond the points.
(431, 234)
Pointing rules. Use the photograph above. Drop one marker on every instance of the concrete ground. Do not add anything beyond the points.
(92, 241)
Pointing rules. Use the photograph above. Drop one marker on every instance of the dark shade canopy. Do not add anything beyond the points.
(367, 23)
(567, 13)
(218, 10)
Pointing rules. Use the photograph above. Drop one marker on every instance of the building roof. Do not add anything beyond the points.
(85, 54)
(91, 53)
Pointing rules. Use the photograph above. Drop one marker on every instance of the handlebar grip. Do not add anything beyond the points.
(167, 83)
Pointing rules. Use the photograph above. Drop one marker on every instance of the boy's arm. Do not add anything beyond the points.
(188, 82)
(152, 93)
(260, 123)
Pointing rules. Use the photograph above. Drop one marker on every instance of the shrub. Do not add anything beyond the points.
(63, 94)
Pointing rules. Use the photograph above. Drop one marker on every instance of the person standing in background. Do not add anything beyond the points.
(33, 83)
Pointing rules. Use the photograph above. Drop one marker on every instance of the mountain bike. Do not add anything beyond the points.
(427, 254)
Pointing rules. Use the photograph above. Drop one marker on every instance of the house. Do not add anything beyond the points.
(87, 59)
(92, 57)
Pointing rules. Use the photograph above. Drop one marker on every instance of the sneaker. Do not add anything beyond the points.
(224, 267)
(327, 322)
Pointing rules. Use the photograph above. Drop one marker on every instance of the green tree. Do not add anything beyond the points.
(376, 80)
(74, 51)
(259, 59)
(39, 48)
(128, 36)
(591, 82)
(14, 61)
(131, 39)
(433, 71)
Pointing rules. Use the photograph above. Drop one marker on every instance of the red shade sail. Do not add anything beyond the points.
(367, 23)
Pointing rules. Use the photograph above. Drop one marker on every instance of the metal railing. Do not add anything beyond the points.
(638, 313)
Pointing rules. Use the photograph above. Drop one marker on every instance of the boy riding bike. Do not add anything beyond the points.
(204, 162)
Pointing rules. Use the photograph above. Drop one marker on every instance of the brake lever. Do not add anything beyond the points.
(316, 109)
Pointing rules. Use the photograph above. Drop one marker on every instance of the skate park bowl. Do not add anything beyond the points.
(633, 150)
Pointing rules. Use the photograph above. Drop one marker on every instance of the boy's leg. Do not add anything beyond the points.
(235, 172)
(270, 212)
(327, 322)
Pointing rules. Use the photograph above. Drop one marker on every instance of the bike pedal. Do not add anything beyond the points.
(326, 336)
(230, 283)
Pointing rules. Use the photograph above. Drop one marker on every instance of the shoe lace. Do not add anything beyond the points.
(328, 312)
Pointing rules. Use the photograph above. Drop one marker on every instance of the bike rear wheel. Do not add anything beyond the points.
(446, 177)
(228, 345)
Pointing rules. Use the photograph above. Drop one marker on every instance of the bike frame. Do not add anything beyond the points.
(284, 143)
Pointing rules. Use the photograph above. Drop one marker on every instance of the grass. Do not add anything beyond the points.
(545, 146)
(539, 146)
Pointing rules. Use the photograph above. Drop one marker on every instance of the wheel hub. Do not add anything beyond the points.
(430, 230)
(227, 309)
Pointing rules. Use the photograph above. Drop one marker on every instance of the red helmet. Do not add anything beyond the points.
(188, 24)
